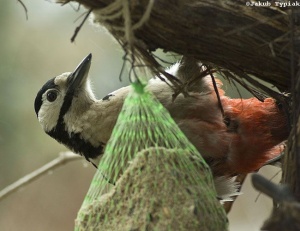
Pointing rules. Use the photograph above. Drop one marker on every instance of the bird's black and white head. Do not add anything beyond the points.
(60, 106)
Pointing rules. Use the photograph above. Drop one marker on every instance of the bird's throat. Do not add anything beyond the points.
(76, 143)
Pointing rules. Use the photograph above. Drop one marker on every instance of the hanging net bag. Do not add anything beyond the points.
(150, 176)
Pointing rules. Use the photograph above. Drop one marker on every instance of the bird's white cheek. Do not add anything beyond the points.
(48, 118)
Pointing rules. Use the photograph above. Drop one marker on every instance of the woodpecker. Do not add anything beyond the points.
(251, 134)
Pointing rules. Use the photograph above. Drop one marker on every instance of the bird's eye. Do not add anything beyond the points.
(51, 96)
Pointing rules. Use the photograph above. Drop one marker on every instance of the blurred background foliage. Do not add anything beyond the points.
(33, 51)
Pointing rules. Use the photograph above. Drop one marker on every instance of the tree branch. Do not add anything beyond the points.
(231, 35)
(63, 158)
(24, 7)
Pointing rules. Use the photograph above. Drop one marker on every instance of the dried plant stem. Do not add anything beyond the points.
(63, 158)
(24, 7)
(80, 26)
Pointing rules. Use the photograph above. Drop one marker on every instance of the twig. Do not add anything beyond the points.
(217, 92)
(64, 157)
(278, 193)
(24, 7)
(260, 192)
(77, 29)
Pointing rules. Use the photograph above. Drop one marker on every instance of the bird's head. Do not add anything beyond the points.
(68, 94)
(61, 106)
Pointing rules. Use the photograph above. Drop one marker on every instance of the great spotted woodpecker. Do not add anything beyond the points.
(251, 135)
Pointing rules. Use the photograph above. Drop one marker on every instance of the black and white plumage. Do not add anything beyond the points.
(69, 112)
(61, 102)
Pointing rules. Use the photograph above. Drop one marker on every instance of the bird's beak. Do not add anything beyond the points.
(79, 76)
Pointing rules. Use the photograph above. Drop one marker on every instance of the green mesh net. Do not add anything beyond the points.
(161, 182)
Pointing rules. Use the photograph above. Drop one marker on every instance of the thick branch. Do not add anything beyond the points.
(227, 34)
